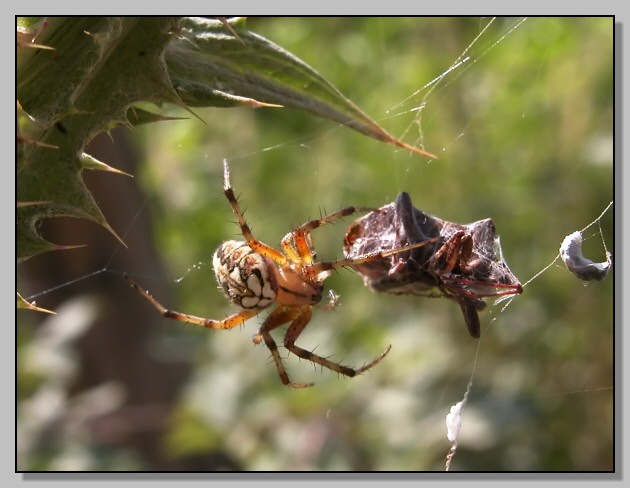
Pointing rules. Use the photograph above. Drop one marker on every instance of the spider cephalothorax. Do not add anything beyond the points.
(460, 262)
(255, 277)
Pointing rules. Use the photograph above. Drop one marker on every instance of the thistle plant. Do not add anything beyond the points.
(80, 76)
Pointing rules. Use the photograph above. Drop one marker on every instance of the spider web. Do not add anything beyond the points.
(543, 363)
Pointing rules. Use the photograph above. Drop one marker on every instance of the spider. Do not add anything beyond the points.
(256, 276)
(463, 262)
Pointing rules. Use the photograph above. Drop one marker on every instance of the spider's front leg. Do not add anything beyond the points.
(252, 242)
(323, 266)
(297, 243)
(229, 322)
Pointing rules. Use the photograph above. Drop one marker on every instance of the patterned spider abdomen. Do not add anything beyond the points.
(245, 276)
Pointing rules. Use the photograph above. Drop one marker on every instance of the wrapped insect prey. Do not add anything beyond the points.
(460, 262)
(583, 268)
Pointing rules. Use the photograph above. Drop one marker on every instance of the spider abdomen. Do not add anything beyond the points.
(245, 276)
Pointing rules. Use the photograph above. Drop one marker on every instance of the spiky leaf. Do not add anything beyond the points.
(82, 75)
(97, 69)
(213, 66)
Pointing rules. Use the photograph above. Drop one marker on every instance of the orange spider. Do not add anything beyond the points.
(255, 276)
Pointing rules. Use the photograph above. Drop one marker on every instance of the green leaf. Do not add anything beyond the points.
(96, 68)
(211, 66)
(99, 67)
(138, 116)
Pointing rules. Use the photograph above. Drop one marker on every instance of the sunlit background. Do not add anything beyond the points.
(523, 129)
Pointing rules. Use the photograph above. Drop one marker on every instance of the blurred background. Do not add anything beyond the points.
(523, 129)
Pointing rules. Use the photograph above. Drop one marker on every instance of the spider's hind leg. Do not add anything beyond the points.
(233, 320)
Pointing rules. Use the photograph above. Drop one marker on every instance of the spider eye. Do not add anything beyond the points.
(244, 275)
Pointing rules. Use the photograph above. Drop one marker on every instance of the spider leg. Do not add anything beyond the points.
(294, 331)
(229, 322)
(278, 317)
(296, 244)
(255, 244)
(364, 258)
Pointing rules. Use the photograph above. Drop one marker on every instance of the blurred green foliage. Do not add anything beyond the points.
(523, 129)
